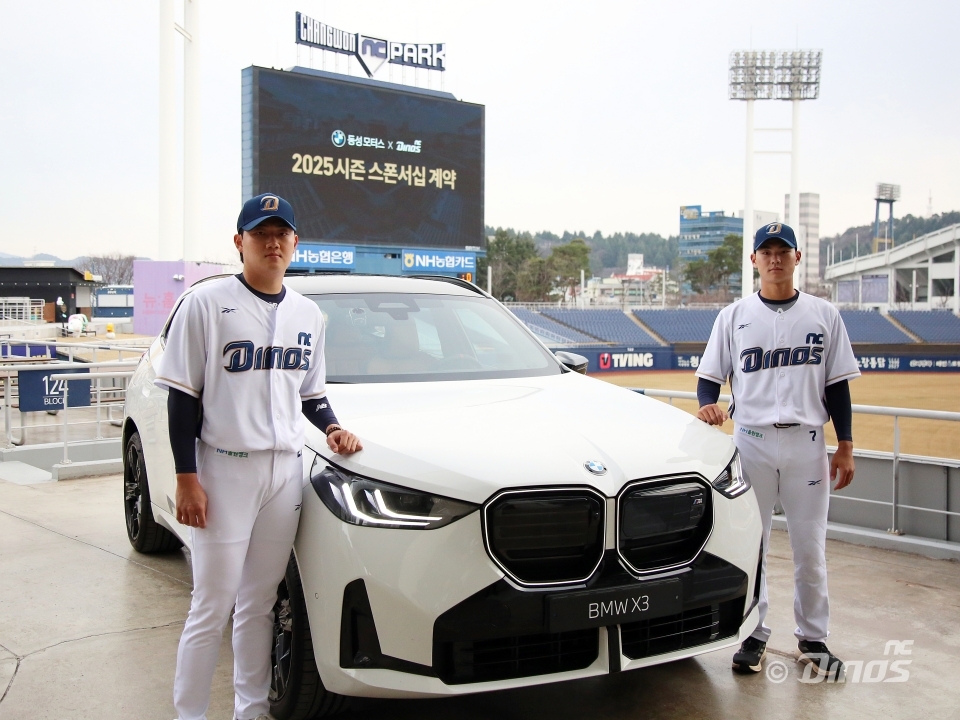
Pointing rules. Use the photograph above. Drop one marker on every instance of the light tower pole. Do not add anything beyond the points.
(171, 231)
(772, 75)
(176, 236)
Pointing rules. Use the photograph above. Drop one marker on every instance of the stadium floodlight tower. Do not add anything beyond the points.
(889, 194)
(772, 75)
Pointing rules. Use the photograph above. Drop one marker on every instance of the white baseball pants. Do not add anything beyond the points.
(253, 509)
(790, 465)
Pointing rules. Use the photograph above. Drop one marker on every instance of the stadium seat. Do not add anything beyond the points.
(679, 324)
(868, 326)
(536, 321)
(608, 325)
(939, 326)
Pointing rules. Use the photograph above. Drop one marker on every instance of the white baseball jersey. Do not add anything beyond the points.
(779, 363)
(251, 362)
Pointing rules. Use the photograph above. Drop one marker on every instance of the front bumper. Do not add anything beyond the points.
(412, 613)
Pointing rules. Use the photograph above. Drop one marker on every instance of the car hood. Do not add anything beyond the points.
(470, 439)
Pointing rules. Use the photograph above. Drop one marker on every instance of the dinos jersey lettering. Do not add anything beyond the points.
(264, 359)
(779, 363)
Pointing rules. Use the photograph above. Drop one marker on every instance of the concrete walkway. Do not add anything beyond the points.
(89, 629)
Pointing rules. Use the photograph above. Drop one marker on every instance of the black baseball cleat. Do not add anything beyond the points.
(749, 658)
(824, 662)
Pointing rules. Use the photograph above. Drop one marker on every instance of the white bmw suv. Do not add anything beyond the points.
(509, 522)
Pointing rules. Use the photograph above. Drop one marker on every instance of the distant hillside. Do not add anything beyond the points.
(608, 253)
(8, 260)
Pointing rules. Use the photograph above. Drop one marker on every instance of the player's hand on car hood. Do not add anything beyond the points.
(712, 414)
(343, 442)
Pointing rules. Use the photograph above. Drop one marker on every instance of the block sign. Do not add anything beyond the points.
(42, 390)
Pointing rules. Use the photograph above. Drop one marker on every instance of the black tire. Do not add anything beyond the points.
(144, 533)
(296, 691)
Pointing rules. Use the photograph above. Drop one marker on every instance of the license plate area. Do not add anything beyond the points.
(613, 606)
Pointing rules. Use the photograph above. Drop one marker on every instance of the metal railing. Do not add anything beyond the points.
(99, 371)
(67, 377)
(70, 349)
(894, 412)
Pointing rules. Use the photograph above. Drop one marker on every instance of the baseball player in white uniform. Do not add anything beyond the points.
(787, 357)
(243, 364)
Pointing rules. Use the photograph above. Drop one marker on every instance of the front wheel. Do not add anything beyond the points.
(145, 534)
(296, 691)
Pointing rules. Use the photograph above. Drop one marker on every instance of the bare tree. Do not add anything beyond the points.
(115, 269)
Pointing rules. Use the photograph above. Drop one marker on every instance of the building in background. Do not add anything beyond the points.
(158, 284)
(761, 218)
(808, 239)
(73, 287)
(701, 232)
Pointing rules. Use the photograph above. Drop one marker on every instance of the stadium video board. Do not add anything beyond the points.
(364, 163)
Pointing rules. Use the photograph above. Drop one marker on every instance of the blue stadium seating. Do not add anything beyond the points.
(940, 326)
(868, 326)
(679, 325)
(536, 320)
(608, 325)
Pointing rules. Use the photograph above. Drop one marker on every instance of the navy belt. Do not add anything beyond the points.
(781, 426)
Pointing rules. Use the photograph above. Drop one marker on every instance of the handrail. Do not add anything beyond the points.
(82, 345)
(894, 412)
(9, 370)
(67, 377)
(863, 409)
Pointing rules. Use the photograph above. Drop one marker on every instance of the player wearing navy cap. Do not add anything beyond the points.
(243, 364)
(788, 359)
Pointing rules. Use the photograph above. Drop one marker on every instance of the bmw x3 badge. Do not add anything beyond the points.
(597, 468)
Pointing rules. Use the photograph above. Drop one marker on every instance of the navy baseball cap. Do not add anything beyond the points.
(263, 207)
(775, 230)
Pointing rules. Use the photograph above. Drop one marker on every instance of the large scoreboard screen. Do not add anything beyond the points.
(363, 163)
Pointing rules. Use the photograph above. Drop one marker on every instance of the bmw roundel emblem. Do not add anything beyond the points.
(338, 138)
(597, 468)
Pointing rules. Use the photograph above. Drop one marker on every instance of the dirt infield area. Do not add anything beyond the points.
(933, 391)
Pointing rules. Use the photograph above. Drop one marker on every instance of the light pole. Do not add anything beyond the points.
(772, 75)
(176, 236)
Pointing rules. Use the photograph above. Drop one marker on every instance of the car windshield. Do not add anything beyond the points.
(381, 337)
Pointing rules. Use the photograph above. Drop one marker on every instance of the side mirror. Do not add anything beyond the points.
(572, 361)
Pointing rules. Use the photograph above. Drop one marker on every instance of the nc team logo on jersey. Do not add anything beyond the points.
(756, 358)
(774, 228)
(270, 203)
(244, 355)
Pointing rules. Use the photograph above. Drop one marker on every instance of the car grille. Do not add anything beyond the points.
(546, 537)
(663, 523)
(684, 630)
(516, 657)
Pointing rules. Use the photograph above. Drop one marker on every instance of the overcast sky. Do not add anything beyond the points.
(603, 115)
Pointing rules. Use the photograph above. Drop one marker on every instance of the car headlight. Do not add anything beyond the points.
(732, 482)
(360, 501)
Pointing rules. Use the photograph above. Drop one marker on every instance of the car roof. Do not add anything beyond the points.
(359, 283)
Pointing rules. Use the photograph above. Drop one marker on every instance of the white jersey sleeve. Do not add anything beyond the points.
(315, 380)
(716, 364)
(840, 361)
(183, 363)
